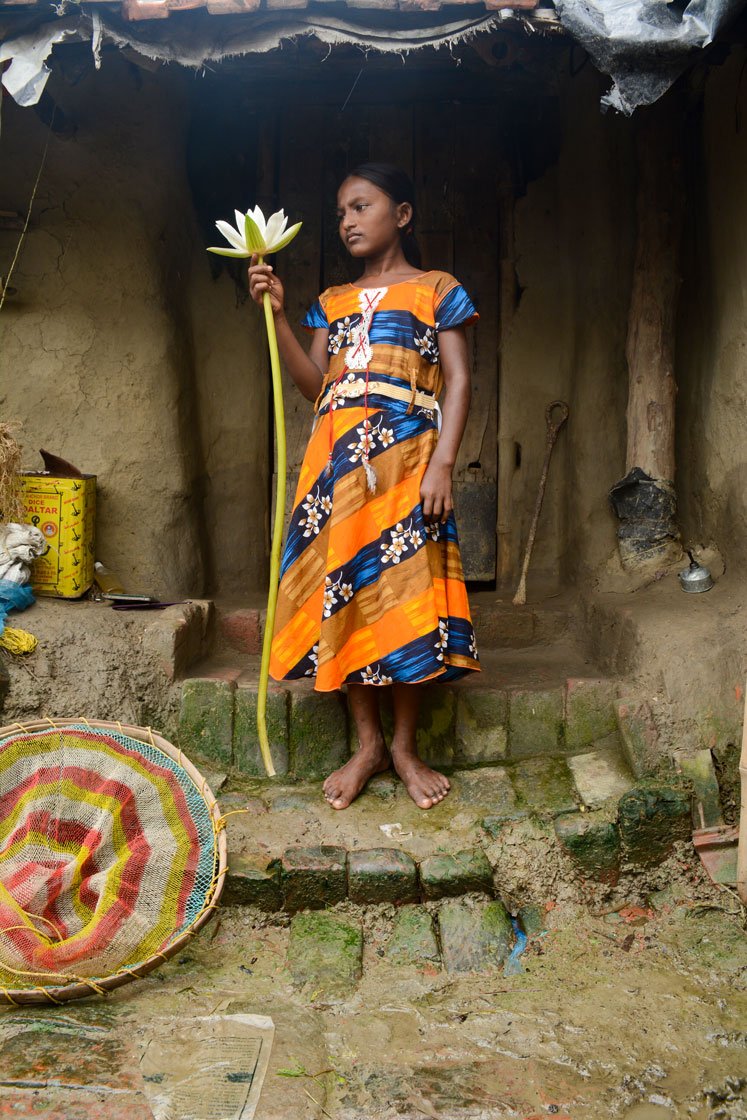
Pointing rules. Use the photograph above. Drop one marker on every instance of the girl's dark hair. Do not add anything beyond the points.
(399, 186)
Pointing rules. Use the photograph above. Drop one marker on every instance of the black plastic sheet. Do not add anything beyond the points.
(646, 509)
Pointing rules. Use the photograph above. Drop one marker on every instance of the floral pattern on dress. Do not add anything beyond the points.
(427, 344)
(401, 540)
(338, 391)
(472, 644)
(318, 508)
(368, 440)
(344, 590)
(341, 337)
(314, 659)
(374, 676)
(442, 640)
(433, 529)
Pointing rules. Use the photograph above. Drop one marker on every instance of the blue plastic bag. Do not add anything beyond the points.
(13, 597)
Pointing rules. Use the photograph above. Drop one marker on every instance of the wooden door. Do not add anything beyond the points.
(454, 162)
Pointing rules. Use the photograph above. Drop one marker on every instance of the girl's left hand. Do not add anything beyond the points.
(435, 492)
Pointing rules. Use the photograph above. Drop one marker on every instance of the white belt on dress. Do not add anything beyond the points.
(357, 388)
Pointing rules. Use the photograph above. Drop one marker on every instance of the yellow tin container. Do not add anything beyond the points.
(65, 511)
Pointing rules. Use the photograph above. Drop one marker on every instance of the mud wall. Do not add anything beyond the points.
(574, 240)
(712, 342)
(119, 351)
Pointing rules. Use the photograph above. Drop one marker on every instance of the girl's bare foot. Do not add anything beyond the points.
(342, 787)
(425, 786)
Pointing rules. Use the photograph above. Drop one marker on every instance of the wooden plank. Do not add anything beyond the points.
(476, 262)
(653, 300)
(435, 127)
(266, 160)
(506, 563)
(299, 178)
(650, 344)
(144, 9)
(390, 135)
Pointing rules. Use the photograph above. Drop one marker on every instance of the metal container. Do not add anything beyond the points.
(65, 511)
(696, 578)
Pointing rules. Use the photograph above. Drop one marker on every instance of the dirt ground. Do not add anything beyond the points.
(638, 1014)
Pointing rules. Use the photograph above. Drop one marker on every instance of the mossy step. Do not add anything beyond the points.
(641, 829)
(491, 718)
(282, 815)
(474, 936)
(327, 950)
(314, 878)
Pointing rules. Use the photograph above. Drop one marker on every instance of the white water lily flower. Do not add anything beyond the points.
(253, 234)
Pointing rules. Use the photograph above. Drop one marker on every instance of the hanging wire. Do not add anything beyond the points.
(6, 282)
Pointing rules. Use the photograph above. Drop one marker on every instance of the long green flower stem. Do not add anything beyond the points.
(277, 537)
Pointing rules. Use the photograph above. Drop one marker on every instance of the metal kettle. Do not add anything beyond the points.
(696, 578)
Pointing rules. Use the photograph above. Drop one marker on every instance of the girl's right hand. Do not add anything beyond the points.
(262, 279)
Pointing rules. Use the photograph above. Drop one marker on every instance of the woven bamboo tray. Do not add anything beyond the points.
(80, 987)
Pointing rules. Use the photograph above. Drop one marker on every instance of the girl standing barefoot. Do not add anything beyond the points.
(372, 593)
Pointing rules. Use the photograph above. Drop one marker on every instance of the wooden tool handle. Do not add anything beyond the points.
(553, 427)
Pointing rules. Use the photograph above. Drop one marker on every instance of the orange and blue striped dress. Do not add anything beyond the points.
(370, 593)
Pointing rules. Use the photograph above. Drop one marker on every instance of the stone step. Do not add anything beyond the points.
(474, 938)
(290, 852)
(523, 704)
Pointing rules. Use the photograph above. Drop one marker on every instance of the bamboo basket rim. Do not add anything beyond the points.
(81, 987)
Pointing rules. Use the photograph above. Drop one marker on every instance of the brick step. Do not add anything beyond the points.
(290, 815)
(289, 851)
(523, 704)
(498, 623)
(231, 632)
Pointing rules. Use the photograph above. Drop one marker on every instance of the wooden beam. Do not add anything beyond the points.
(656, 285)
(645, 499)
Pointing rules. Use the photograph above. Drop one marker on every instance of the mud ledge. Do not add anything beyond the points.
(687, 654)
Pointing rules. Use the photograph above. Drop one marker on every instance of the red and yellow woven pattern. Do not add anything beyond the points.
(108, 853)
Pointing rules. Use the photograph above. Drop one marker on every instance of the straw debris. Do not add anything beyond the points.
(11, 506)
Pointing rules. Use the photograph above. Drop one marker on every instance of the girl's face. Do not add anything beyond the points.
(370, 221)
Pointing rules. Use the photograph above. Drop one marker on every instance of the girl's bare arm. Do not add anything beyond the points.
(307, 370)
(436, 487)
